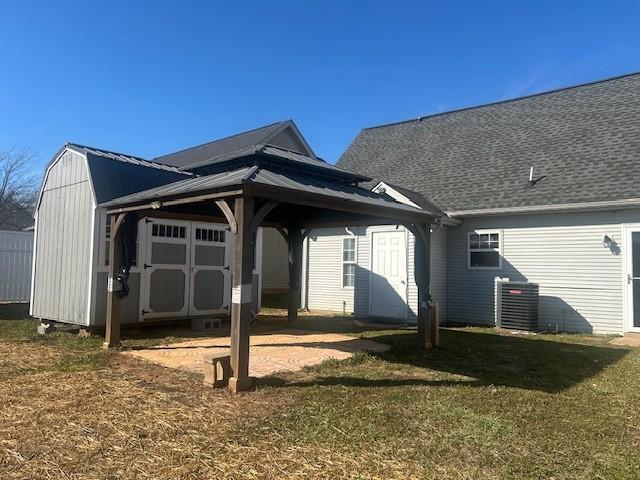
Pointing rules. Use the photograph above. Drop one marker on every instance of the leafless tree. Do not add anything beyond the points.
(18, 189)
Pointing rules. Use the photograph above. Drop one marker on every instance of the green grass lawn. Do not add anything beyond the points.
(485, 405)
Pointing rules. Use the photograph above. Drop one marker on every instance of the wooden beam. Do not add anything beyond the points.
(288, 195)
(283, 233)
(178, 201)
(422, 273)
(114, 303)
(241, 297)
(181, 216)
(295, 272)
(228, 214)
(262, 213)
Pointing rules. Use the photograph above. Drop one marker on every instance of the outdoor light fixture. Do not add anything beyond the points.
(606, 241)
(156, 205)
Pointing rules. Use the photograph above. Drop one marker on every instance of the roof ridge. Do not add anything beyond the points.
(223, 138)
(508, 100)
(162, 166)
(292, 151)
(113, 152)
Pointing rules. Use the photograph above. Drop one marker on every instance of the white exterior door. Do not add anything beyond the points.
(388, 284)
(210, 276)
(632, 280)
(165, 270)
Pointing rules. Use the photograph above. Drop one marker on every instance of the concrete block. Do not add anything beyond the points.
(217, 371)
(46, 327)
(204, 324)
(84, 332)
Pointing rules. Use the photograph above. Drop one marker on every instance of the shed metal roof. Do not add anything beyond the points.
(114, 174)
(585, 140)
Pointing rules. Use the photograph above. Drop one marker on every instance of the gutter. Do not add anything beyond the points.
(562, 207)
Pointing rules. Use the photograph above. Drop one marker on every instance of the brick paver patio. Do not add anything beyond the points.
(283, 350)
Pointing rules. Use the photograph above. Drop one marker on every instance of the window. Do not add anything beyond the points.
(348, 262)
(484, 250)
(168, 231)
(210, 235)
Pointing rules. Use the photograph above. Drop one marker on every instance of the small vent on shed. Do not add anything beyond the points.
(517, 305)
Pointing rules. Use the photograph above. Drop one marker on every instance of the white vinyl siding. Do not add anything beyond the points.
(275, 261)
(325, 291)
(581, 281)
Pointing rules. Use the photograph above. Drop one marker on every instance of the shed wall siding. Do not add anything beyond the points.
(64, 233)
(581, 282)
(275, 262)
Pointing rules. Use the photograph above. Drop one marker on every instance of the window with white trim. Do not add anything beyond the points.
(484, 250)
(348, 262)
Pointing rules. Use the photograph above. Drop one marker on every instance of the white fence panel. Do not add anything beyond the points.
(16, 250)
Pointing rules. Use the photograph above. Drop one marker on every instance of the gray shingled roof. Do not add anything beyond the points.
(584, 139)
(220, 148)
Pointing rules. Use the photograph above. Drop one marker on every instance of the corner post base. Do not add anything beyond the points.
(242, 384)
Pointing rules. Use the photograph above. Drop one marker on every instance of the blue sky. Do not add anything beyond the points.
(148, 78)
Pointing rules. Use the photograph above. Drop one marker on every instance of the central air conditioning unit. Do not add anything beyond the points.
(517, 305)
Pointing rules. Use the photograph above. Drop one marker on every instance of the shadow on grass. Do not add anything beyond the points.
(487, 358)
(14, 311)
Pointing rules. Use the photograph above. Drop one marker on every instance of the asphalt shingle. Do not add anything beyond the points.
(584, 139)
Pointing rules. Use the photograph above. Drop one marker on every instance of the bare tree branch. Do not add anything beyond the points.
(18, 189)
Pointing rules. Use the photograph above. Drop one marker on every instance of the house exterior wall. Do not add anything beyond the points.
(275, 262)
(324, 276)
(581, 282)
(324, 280)
(63, 242)
(16, 250)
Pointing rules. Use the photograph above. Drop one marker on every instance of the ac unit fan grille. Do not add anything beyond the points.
(518, 305)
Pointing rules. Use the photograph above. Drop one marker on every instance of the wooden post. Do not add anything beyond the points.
(114, 302)
(421, 273)
(295, 272)
(241, 301)
(435, 325)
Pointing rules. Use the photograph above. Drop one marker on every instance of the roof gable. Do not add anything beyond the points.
(585, 140)
(281, 134)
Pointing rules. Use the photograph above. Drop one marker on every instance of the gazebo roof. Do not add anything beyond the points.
(284, 185)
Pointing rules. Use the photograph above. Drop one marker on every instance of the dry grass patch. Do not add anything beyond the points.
(485, 406)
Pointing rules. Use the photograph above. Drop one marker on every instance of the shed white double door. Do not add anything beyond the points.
(388, 284)
(185, 270)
